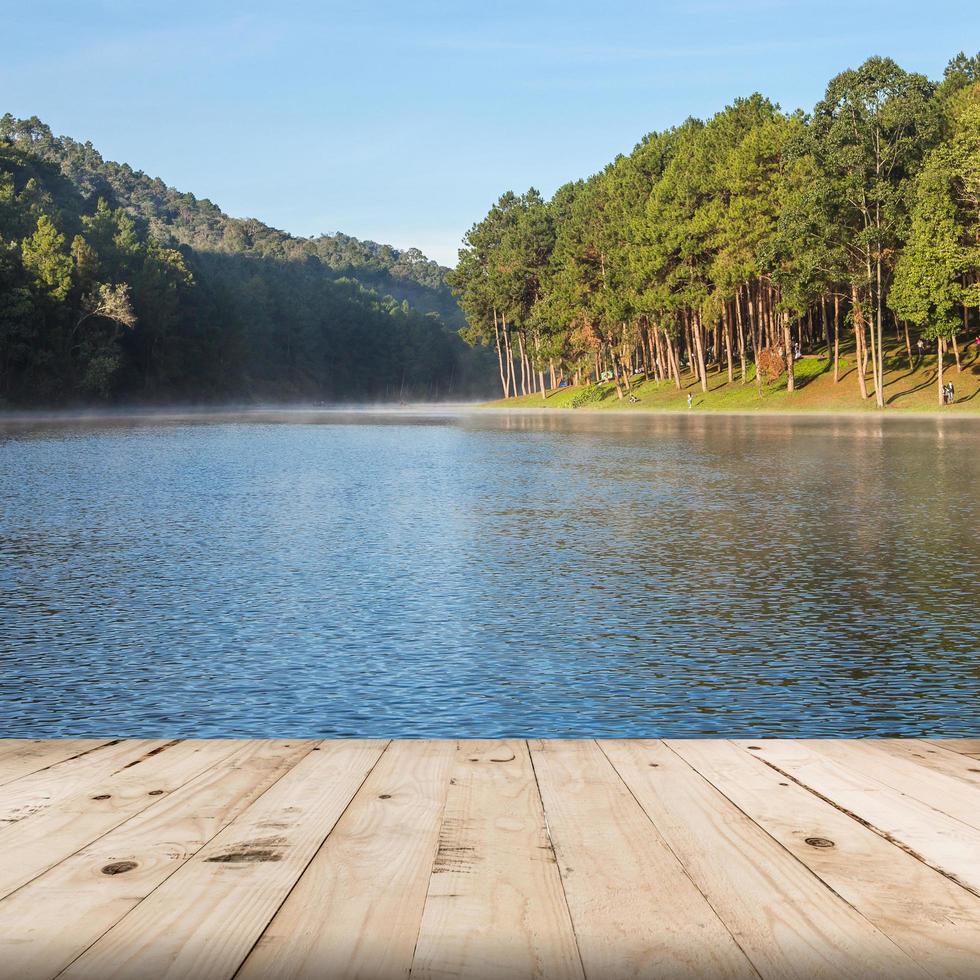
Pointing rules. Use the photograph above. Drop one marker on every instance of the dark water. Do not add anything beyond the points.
(477, 574)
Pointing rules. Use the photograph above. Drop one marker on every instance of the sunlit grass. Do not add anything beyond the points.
(905, 390)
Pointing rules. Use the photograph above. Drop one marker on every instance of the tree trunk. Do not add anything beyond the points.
(619, 387)
(741, 335)
(692, 361)
(876, 364)
(826, 324)
(788, 344)
(767, 300)
(956, 354)
(673, 360)
(836, 338)
(653, 342)
(625, 359)
(696, 330)
(939, 370)
(728, 343)
(511, 381)
(857, 314)
(908, 344)
(500, 354)
(879, 348)
(520, 354)
(756, 326)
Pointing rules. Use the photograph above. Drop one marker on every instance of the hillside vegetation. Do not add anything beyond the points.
(745, 241)
(115, 287)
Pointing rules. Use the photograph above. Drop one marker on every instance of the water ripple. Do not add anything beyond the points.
(488, 575)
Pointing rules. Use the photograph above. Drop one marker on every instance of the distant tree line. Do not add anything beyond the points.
(114, 287)
(743, 239)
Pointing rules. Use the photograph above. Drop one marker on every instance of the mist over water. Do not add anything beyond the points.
(456, 573)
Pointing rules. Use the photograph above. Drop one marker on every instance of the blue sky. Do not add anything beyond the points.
(402, 122)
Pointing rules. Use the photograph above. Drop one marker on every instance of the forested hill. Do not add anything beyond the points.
(176, 218)
(114, 286)
(748, 239)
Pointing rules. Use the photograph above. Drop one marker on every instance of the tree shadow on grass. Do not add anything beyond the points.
(899, 395)
(970, 367)
(901, 377)
(801, 381)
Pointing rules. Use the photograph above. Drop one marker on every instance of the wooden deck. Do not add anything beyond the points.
(253, 859)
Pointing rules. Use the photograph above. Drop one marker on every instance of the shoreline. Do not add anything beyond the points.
(297, 412)
(872, 414)
(229, 413)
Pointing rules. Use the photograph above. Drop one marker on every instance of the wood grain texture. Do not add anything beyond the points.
(21, 757)
(935, 756)
(966, 746)
(48, 785)
(50, 833)
(93, 889)
(495, 906)
(786, 920)
(357, 909)
(217, 859)
(931, 918)
(204, 919)
(939, 840)
(941, 791)
(634, 909)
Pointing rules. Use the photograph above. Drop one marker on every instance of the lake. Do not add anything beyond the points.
(464, 573)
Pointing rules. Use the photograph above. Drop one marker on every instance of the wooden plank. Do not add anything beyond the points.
(9, 746)
(966, 746)
(927, 753)
(35, 844)
(56, 917)
(36, 790)
(634, 910)
(21, 757)
(788, 922)
(934, 920)
(943, 842)
(203, 920)
(943, 793)
(495, 907)
(356, 911)
(719, 834)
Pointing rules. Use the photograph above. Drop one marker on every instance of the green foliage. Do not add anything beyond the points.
(748, 232)
(935, 273)
(589, 395)
(44, 255)
(160, 296)
(177, 219)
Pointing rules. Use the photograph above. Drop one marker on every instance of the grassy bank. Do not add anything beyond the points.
(906, 390)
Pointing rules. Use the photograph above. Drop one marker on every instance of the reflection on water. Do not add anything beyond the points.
(336, 574)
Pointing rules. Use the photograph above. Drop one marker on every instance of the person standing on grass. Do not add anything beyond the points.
(690, 400)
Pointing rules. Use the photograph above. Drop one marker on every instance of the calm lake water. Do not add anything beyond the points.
(475, 574)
